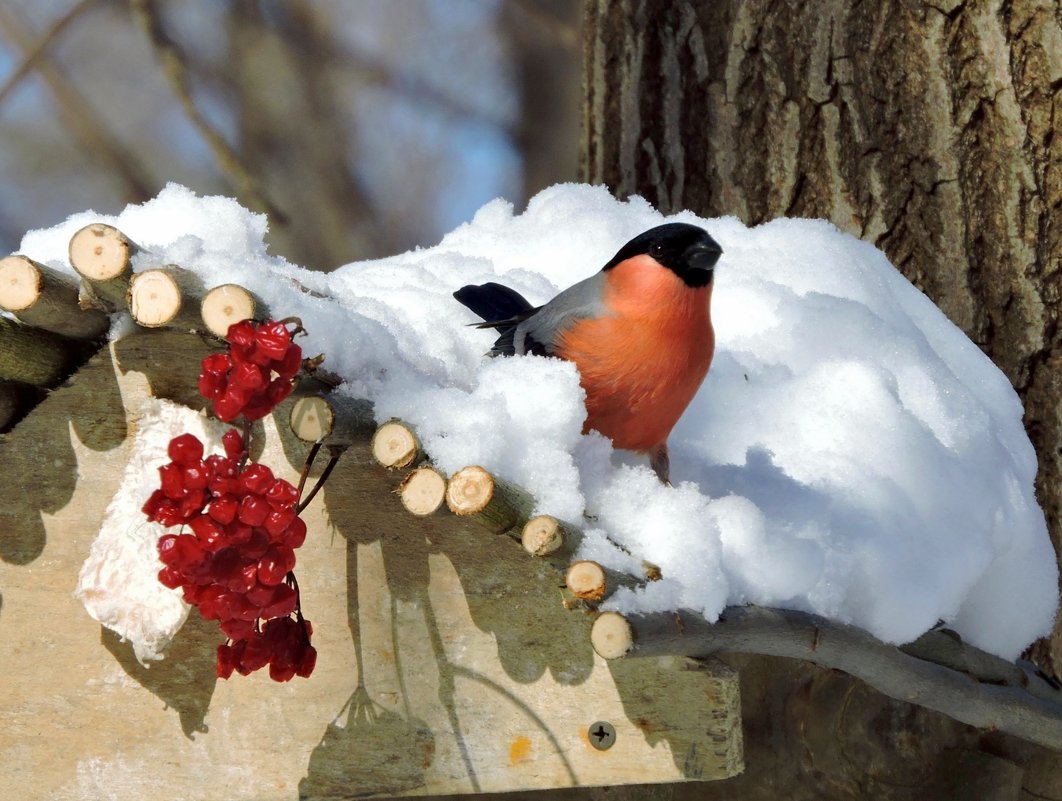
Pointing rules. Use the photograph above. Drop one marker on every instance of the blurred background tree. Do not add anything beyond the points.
(362, 128)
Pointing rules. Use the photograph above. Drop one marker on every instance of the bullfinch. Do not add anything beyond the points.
(639, 331)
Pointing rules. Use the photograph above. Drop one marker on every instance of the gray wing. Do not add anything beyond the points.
(540, 332)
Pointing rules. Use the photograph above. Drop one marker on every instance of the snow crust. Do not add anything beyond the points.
(852, 453)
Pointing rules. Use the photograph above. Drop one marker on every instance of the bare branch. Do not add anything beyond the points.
(30, 58)
(1009, 699)
(79, 116)
(176, 71)
(564, 33)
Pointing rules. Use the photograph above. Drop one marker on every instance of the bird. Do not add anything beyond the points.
(639, 332)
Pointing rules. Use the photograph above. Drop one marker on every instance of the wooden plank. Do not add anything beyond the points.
(447, 662)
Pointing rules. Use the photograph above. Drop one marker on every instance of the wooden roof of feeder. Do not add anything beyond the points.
(451, 660)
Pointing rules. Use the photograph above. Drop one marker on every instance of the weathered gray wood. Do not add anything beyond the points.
(48, 299)
(331, 419)
(33, 356)
(440, 671)
(777, 632)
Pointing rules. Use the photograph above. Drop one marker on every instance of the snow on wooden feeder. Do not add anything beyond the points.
(447, 661)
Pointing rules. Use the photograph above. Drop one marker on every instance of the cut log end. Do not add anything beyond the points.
(470, 490)
(312, 419)
(101, 252)
(611, 635)
(225, 305)
(21, 283)
(154, 298)
(542, 535)
(422, 491)
(395, 445)
(586, 580)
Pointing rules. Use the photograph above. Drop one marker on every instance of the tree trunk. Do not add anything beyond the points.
(926, 129)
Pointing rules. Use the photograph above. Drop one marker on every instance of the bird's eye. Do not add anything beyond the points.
(656, 250)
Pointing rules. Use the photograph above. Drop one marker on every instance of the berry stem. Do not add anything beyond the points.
(320, 481)
(307, 465)
(245, 434)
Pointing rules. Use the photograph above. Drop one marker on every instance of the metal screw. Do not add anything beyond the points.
(602, 735)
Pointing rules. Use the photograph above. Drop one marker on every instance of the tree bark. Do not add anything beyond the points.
(927, 129)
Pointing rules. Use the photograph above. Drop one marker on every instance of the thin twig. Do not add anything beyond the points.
(177, 73)
(34, 53)
(307, 465)
(80, 117)
(566, 34)
(321, 481)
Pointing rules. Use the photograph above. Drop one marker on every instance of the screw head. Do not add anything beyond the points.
(601, 734)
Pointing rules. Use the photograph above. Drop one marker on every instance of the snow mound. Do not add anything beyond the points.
(851, 454)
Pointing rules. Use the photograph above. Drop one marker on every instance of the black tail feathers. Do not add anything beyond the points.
(495, 303)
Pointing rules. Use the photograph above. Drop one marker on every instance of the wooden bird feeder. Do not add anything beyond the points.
(451, 660)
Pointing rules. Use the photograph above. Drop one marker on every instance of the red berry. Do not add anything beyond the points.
(151, 506)
(278, 521)
(189, 554)
(273, 339)
(257, 409)
(211, 386)
(260, 594)
(255, 654)
(253, 510)
(172, 481)
(278, 390)
(170, 578)
(217, 365)
(283, 603)
(185, 450)
(228, 407)
(289, 365)
(257, 544)
(295, 535)
(224, 509)
(282, 494)
(208, 601)
(256, 479)
(236, 629)
(248, 376)
(192, 503)
(226, 661)
(241, 334)
(167, 514)
(207, 530)
(307, 661)
(196, 477)
(225, 563)
(167, 546)
(275, 564)
(281, 672)
(245, 578)
(233, 444)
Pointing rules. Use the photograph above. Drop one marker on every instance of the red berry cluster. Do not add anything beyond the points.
(236, 563)
(255, 375)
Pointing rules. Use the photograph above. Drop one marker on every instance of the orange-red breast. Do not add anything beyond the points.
(640, 332)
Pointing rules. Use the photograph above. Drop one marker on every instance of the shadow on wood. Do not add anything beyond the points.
(185, 679)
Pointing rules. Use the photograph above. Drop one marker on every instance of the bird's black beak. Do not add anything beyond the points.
(703, 255)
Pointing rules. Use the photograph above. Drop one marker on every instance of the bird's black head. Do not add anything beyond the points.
(683, 248)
